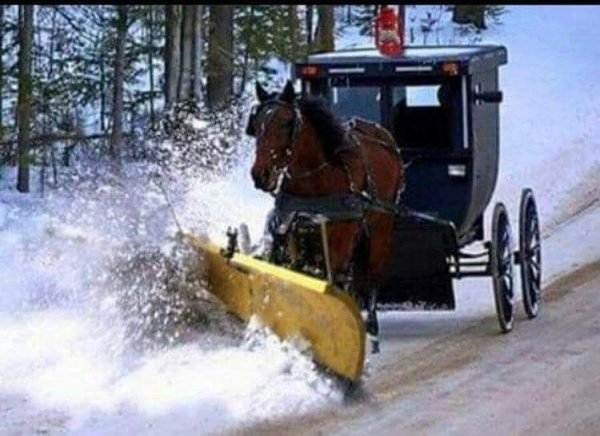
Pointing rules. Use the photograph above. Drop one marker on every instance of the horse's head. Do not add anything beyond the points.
(275, 123)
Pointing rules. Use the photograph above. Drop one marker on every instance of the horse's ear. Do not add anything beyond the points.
(261, 93)
(288, 95)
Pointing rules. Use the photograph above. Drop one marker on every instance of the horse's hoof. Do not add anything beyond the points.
(374, 347)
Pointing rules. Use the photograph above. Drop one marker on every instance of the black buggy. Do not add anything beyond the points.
(442, 106)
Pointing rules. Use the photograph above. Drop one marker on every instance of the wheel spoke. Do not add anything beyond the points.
(534, 243)
(533, 226)
(510, 300)
(534, 276)
(505, 239)
(506, 255)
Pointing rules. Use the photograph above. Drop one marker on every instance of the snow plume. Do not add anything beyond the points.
(101, 318)
(193, 138)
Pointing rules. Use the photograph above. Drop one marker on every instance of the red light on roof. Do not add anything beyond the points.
(389, 32)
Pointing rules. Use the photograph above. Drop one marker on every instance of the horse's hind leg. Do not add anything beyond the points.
(380, 242)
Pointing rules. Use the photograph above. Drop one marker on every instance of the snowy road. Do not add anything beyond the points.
(438, 373)
(452, 376)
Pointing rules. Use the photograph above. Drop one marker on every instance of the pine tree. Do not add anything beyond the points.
(119, 73)
(477, 15)
(220, 56)
(25, 86)
(365, 17)
(325, 29)
(198, 53)
(1, 76)
(172, 52)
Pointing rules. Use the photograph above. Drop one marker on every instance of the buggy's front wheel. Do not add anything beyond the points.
(501, 267)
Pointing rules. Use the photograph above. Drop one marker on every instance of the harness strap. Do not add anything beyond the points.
(307, 173)
(379, 205)
(371, 188)
(347, 206)
(354, 125)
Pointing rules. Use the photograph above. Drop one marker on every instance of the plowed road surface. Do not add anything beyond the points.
(543, 378)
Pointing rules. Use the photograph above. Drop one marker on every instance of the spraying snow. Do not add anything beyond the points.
(92, 327)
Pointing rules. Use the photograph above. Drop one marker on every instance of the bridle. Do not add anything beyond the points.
(282, 171)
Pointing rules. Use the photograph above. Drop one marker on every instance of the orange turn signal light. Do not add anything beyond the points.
(450, 68)
(310, 71)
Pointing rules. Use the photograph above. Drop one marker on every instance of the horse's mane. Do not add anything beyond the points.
(327, 125)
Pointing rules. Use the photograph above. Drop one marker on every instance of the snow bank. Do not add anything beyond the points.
(550, 129)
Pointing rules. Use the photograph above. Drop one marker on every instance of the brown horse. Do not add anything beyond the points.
(319, 165)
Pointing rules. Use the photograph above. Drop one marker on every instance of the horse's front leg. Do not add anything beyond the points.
(342, 238)
(372, 324)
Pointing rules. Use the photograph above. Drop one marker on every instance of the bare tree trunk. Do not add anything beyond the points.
(220, 56)
(172, 52)
(245, 62)
(293, 25)
(1, 71)
(198, 52)
(184, 88)
(325, 29)
(402, 21)
(117, 115)
(309, 23)
(102, 95)
(24, 98)
(2, 75)
(47, 125)
(151, 63)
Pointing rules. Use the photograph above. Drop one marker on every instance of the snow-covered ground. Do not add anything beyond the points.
(66, 356)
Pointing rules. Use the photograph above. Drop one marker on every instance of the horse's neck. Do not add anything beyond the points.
(310, 157)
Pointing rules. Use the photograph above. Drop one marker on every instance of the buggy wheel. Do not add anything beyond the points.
(502, 268)
(530, 253)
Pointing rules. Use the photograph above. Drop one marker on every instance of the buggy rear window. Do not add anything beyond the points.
(418, 96)
(360, 101)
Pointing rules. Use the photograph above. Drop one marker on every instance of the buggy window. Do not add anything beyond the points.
(422, 96)
(361, 101)
(421, 118)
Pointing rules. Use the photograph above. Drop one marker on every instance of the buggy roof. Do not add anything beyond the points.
(422, 59)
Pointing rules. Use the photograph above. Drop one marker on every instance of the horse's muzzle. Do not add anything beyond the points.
(262, 179)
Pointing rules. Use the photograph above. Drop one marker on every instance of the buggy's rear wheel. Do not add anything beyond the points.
(530, 253)
(502, 267)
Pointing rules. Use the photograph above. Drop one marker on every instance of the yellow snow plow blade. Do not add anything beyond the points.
(290, 304)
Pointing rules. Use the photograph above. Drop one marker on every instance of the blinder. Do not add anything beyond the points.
(253, 118)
